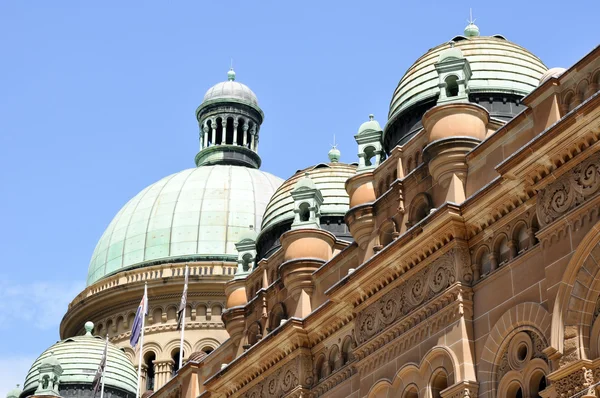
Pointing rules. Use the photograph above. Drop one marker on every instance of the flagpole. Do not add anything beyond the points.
(183, 321)
(105, 365)
(137, 392)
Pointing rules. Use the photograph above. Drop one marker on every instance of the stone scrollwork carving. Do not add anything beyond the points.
(569, 191)
(401, 300)
(295, 373)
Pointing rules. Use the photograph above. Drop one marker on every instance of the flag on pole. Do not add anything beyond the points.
(100, 372)
(182, 304)
(138, 322)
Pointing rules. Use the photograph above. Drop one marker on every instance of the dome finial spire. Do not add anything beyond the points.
(471, 30)
(231, 73)
(334, 153)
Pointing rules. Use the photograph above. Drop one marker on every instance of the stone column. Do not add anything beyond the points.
(245, 128)
(143, 376)
(205, 140)
(235, 132)
(512, 246)
(252, 138)
(162, 373)
(223, 131)
(213, 124)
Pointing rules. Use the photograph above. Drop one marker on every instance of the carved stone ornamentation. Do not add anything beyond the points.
(296, 373)
(569, 191)
(401, 300)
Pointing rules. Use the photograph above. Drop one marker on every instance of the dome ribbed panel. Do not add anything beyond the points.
(497, 66)
(80, 357)
(330, 180)
(199, 212)
(231, 89)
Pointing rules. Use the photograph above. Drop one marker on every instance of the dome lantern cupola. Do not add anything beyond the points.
(454, 72)
(307, 202)
(229, 119)
(370, 148)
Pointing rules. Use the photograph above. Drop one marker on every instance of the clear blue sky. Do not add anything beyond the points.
(97, 101)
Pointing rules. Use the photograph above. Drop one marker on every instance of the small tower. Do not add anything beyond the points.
(246, 248)
(370, 148)
(50, 372)
(14, 393)
(454, 73)
(307, 202)
(229, 119)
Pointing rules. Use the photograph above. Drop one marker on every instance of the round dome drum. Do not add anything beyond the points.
(196, 214)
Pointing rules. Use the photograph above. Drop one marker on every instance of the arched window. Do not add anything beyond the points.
(411, 392)
(149, 359)
(209, 131)
(419, 208)
(229, 131)
(369, 153)
(439, 382)
(451, 86)
(175, 358)
(502, 250)
(537, 383)
(239, 134)
(207, 350)
(219, 138)
(304, 212)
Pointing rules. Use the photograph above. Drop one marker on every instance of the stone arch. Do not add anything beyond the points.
(419, 208)
(387, 232)
(582, 89)
(174, 345)
(568, 100)
(278, 313)
(335, 358)
(501, 248)
(152, 347)
(322, 369)
(520, 236)
(381, 389)
(157, 313)
(575, 303)
(207, 342)
(347, 346)
(438, 359)
(523, 316)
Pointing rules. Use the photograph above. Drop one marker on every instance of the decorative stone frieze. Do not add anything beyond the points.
(294, 375)
(421, 287)
(569, 190)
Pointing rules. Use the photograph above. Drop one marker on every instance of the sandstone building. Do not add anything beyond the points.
(458, 257)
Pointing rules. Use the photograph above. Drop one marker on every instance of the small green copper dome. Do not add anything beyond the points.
(304, 183)
(370, 126)
(196, 214)
(330, 178)
(14, 393)
(231, 75)
(79, 358)
(472, 30)
(334, 154)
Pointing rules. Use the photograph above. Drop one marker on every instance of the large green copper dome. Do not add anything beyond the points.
(195, 214)
(79, 358)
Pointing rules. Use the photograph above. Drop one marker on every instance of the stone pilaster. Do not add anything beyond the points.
(163, 371)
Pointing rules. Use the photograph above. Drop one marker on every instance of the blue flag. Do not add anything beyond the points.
(142, 311)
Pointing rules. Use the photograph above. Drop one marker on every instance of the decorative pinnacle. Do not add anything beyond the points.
(231, 74)
(89, 326)
(471, 30)
(371, 117)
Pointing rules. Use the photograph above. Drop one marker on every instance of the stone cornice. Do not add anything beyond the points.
(272, 350)
(416, 245)
(416, 326)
